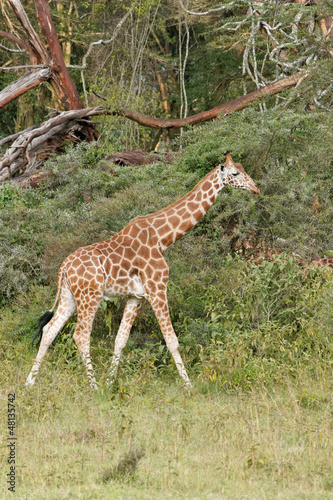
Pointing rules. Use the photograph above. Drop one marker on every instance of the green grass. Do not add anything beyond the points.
(149, 438)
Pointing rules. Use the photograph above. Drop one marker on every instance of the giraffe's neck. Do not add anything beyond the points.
(174, 221)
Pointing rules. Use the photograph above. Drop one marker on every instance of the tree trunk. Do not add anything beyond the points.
(61, 78)
(56, 71)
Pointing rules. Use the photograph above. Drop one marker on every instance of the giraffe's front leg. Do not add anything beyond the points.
(131, 310)
(159, 303)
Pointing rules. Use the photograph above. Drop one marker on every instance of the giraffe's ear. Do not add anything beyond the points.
(222, 167)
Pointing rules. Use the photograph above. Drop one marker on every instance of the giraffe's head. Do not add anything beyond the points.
(233, 174)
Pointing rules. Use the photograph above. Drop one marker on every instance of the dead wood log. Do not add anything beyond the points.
(34, 145)
(130, 158)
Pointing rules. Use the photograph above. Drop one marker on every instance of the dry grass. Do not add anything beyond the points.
(150, 439)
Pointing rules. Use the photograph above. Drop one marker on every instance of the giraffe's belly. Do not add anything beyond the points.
(132, 287)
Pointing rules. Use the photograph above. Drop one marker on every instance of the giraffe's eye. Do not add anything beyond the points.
(234, 174)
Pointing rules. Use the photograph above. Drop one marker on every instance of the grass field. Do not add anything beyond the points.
(149, 438)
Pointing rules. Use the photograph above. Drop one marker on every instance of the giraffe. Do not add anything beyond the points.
(131, 264)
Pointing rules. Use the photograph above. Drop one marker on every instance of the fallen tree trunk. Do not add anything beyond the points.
(30, 149)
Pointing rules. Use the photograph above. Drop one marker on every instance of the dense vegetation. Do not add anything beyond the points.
(255, 333)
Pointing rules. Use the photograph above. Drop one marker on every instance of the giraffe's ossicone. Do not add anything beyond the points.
(131, 264)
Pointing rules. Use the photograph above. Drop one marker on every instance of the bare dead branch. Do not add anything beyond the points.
(206, 13)
(16, 40)
(26, 82)
(104, 42)
(229, 107)
(7, 68)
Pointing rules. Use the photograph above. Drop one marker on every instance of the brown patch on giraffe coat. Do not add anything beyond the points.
(143, 223)
(181, 212)
(185, 226)
(116, 259)
(115, 271)
(129, 253)
(139, 262)
(107, 266)
(168, 239)
(155, 254)
(151, 285)
(178, 236)
(198, 215)
(134, 231)
(80, 271)
(135, 244)
(206, 186)
(192, 206)
(174, 221)
(122, 282)
(205, 205)
(158, 263)
(127, 241)
(157, 276)
(145, 253)
(159, 222)
(164, 229)
(126, 264)
(143, 236)
(149, 271)
(161, 295)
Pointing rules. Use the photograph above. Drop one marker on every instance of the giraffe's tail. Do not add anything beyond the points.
(44, 320)
(41, 323)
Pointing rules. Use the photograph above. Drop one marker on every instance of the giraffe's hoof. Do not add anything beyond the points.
(187, 385)
(29, 383)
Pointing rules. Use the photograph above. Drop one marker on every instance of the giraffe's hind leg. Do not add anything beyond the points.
(131, 310)
(85, 318)
(66, 308)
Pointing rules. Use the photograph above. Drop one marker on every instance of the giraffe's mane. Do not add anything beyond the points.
(156, 214)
